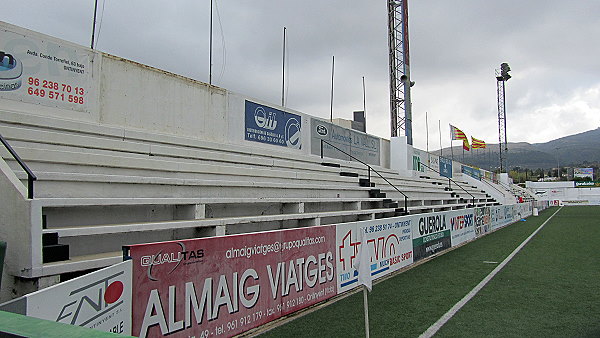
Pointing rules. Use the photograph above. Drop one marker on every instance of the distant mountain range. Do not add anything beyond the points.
(578, 150)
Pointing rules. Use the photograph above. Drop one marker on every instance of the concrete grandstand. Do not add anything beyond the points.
(137, 155)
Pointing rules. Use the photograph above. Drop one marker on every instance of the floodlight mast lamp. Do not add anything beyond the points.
(501, 77)
(400, 104)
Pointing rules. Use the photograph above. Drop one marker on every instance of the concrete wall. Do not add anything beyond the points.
(562, 191)
(15, 229)
(129, 95)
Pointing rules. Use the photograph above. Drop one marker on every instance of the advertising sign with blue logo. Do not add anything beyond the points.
(272, 126)
(445, 167)
(473, 172)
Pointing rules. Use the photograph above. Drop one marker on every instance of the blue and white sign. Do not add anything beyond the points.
(445, 167)
(272, 126)
(473, 172)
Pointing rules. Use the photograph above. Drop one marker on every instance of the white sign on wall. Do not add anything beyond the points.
(43, 71)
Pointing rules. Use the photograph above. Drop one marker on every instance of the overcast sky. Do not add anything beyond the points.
(553, 48)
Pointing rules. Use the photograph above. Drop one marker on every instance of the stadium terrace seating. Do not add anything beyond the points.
(100, 187)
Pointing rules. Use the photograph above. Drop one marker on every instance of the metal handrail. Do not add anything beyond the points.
(369, 172)
(485, 180)
(449, 185)
(30, 176)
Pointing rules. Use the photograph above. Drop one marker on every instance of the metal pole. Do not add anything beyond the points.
(427, 132)
(283, 72)
(366, 306)
(440, 132)
(364, 102)
(331, 103)
(210, 45)
(94, 27)
(321, 148)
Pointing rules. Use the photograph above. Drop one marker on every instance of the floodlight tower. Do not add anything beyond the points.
(501, 77)
(400, 105)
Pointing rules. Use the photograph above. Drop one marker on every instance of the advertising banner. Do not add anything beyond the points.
(434, 163)
(272, 126)
(497, 214)
(587, 184)
(431, 234)
(360, 145)
(222, 286)
(473, 172)
(462, 226)
(483, 221)
(509, 213)
(417, 160)
(43, 71)
(99, 300)
(390, 247)
(584, 173)
(446, 167)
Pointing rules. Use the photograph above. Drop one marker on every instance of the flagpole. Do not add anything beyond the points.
(366, 306)
(427, 133)
(440, 132)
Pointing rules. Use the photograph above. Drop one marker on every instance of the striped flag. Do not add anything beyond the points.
(477, 144)
(457, 134)
(466, 145)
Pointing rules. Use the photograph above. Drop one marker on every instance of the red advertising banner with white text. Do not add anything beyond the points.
(222, 286)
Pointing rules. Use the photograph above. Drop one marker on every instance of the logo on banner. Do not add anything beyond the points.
(265, 120)
(171, 259)
(92, 301)
(322, 130)
(292, 133)
(11, 70)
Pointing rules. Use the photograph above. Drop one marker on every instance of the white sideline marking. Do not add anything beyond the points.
(433, 329)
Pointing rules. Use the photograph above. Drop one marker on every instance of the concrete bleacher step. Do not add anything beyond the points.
(391, 205)
(348, 174)
(364, 182)
(52, 251)
(331, 164)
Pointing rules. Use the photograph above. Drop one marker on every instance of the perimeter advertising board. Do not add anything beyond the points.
(483, 221)
(462, 226)
(360, 145)
(222, 286)
(44, 71)
(500, 216)
(272, 126)
(390, 248)
(100, 300)
(431, 234)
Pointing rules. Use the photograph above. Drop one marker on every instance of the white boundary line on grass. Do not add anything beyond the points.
(433, 329)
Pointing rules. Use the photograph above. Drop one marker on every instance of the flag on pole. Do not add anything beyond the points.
(477, 144)
(466, 145)
(362, 264)
(457, 134)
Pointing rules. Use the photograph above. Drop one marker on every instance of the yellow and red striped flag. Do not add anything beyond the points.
(477, 144)
(457, 134)
(466, 145)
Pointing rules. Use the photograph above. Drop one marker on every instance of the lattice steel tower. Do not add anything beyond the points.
(400, 105)
(501, 77)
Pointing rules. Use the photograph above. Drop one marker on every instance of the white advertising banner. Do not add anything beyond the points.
(100, 300)
(41, 71)
(462, 227)
(390, 247)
